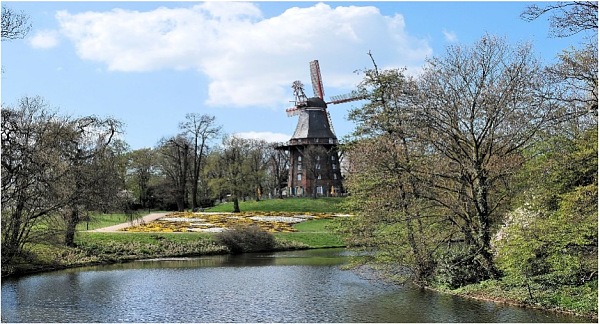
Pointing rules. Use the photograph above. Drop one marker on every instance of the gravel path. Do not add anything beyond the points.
(117, 228)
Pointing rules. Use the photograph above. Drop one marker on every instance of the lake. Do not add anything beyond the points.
(296, 286)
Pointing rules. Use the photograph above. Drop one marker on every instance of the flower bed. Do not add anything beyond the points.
(217, 222)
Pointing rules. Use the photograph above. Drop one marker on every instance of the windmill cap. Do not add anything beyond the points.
(315, 102)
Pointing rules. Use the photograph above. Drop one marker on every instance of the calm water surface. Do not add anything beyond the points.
(299, 286)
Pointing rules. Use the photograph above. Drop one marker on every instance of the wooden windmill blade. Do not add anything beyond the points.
(352, 96)
(315, 77)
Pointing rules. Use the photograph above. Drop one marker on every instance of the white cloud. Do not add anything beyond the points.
(44, 39)
(249, 60)
(450, 36)
(267, 136)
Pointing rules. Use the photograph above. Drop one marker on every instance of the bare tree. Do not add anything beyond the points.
(52, 163)
(175, 153)
(576, 73)
(199, 129)
(481, 105)
(14, 25)
(444, 148)
(93, 176)
(566, 18)
(315, 163)
(278, 163)
(28, 191)
(576, 79)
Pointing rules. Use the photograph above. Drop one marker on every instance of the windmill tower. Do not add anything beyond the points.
(314, 166)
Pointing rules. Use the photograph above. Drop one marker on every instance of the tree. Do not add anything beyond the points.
(93, 176)
(234, 161)
(394, 222)
(14, 25)
(481, 105)
(52, 164)
(28, 153)
(454, 136)
(142, 163)
(257, 164)
(200, 129)
(278, 163)
(214, 172)
(576, 73)
(314, 163)
(174, 163)
(567, 18)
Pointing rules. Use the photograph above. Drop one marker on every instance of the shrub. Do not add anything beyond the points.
(242, 239)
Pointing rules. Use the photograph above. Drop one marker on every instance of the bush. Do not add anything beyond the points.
(246, 239)
(460, 267)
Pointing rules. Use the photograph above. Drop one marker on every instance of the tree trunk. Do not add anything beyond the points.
(180, 199)
(483, 215)
(72, 222)
(236, 204)
(194, 193)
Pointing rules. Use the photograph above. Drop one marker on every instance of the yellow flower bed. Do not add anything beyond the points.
(268, 221)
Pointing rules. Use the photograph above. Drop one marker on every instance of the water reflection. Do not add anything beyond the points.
(297, 286)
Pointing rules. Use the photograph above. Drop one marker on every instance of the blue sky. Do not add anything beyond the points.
(149, 63)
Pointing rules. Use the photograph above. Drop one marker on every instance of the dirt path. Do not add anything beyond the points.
(117, 228)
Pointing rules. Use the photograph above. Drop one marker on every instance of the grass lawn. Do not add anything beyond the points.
(105, 220)
(313, 233)
(298, 205)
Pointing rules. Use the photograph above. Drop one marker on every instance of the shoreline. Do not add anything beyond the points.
(515, 303)
(374, 274)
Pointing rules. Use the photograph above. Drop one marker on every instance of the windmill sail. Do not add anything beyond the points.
(315, 77)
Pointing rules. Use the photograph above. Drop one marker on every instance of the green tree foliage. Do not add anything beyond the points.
(551, 239)
(142, 166)
(234, 159)
(393, 220)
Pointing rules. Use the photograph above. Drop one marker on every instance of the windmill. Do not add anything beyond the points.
(314, 133)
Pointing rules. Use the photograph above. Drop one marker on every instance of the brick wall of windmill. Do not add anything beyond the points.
(301, 182)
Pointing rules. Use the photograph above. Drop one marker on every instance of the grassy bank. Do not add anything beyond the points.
(577, 300)
(98, 248)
